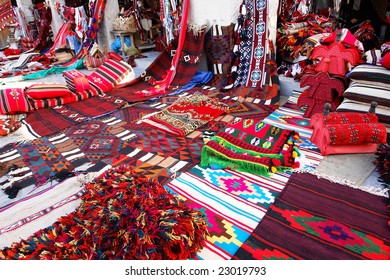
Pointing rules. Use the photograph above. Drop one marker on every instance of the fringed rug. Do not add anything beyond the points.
(320, 220)
(250, 145)
(123, 215)
(233, 204)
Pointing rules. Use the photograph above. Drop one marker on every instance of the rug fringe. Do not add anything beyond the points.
(373, 190)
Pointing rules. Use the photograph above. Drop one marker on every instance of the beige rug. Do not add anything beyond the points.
(348, 169)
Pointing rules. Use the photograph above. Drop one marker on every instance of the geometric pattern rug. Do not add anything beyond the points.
(315, 219)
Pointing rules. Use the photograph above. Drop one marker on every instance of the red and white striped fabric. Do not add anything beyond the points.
(109, 75)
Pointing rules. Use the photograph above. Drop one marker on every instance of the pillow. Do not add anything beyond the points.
(109, 75)
(70, 79)
(39, 91)
(348, 105)
(368, 93)
(13, 101)
(371, 74)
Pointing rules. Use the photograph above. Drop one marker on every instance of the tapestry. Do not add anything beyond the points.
(47, 121)
(154, 224)
(250, 145)
(232, 202)
(187, 114)
(315, 219)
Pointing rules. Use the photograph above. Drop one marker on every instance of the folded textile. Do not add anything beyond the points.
(7, 126)
(250, 145)
(187, 114)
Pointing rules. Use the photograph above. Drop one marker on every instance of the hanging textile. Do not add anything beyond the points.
(7, 14)
(252, 43)
(97, 13)
(161, 86)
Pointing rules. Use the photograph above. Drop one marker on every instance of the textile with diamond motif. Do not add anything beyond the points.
(319, 220)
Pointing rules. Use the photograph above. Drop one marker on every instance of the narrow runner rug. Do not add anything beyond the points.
(319, 220)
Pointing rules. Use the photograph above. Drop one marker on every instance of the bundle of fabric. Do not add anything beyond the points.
(187, 114)
(292, 36)
(315, 219)
(382, 163)
(253, 146)
(51, 95)
(346, 133)
(123, 215)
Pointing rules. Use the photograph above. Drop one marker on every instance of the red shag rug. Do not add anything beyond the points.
(123, 215)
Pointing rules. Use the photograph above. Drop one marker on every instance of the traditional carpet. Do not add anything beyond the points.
(123, 215)
(316, 219)
(187, 114)
(232, 202)
(47, 121)
(218, 47)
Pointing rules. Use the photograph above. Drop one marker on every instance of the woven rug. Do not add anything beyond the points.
(233, 203)
(122, 216)
(35, 163)
(252, 45)
(320, 220)
(187, 114)
(47, 121)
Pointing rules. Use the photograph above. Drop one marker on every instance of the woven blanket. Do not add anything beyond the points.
(233, 203)
(251, 145)
(187, 114)
(319, 220)
(153, 225)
